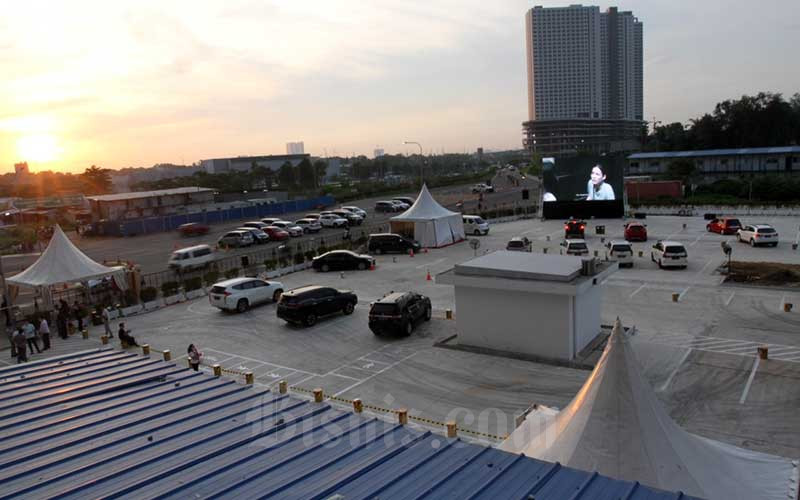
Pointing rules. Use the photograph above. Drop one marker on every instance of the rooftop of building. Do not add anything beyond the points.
(148, 194)
(715, 152)
(107, 423)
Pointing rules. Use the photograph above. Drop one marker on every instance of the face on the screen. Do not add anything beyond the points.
(597, 176)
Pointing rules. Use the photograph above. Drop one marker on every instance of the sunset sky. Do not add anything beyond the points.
(133, 83)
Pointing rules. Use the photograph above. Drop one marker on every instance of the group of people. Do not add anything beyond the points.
(66, 314)
(26, 338)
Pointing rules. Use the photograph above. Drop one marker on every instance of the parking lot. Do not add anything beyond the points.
(697, 352)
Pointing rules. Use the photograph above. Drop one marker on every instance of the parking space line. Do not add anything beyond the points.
(695, 241)
(749, 381)
(334, 373)
(680, 296)
(430, 264)
(375, 374)
(783, 301)
(728, 302)
(674, 371)
(260, 361)
(711, 341)
(744, 349)
(637, 291)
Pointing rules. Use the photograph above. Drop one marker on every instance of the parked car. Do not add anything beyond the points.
(473, 224)
(405, 199)
(400, 206)
(635, 231)
(351, 218)
(575, 246)
(519, 244)
(386, 206)
(758, 234)
(389, 242)
(259, 236)
(290, 227)
(236, 239)
(620, 251)
(332, 220)
(314, 216)
(193, 229)
(306, 304)
(256, 224)
(482, 188)
(669, 254)
(398, 313)
(724, 225)
(195, 257)
(239, 294)
(356, 211)
(308, 225)
(275, 233)
(574, 228)
(341, 260)
(270, 220)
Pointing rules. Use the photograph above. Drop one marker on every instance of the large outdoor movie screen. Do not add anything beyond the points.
(583, 178)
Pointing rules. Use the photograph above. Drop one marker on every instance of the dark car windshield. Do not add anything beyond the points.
(217, 289)
(675, 249)
(515, 244)
(621, 248)
(733, 223)
(766, 230)
(383, 308)
(578, 246)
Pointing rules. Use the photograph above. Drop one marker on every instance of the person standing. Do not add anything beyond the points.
(194, 357)
(19, 344)
(107, 322)
(61, 322)
(78, 309)
(44, 331)
(30, 336)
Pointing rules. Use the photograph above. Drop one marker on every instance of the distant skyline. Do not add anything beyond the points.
(124, 83)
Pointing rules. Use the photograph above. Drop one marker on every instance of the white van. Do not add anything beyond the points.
(191, 258)
(475, 225)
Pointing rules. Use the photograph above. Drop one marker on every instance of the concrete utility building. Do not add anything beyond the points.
(538, 305)
(148, 203)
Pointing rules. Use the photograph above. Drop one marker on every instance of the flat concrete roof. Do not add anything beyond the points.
(148, 194)
(522, 265)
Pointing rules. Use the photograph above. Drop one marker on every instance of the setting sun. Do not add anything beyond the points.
(39, 148)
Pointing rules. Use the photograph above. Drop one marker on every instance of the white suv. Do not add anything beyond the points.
(332, 220)
(356, 211)
(575, 247)
(620, 251)
(758, 234)
(308, 225)
(290, 227)
(239, 294)
(669, 254)
(475, 225)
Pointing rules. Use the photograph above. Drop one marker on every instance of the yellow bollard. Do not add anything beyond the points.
(787, 307)
(249, 379)
(217, 370)
(145, 349)
(452, 429)
(167, 355)
(402, 416)
(675, 297)
(448, 313)
(358, 406)
(763, 352)
(318, 395)
(641, 254)
(104, 340)
(283, 387)
(85, 333)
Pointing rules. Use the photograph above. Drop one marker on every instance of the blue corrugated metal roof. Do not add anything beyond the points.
(715, 152)
(108, 424)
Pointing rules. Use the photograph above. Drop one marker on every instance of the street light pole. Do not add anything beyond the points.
(421, 181)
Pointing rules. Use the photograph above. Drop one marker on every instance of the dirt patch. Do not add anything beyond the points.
(764, 273)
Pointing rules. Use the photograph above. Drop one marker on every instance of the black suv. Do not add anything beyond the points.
(389, 242)
(399, 312)
(306, 304)
(574, 228)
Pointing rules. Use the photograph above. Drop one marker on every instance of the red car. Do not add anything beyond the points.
(193, 229)
(275, 233)
(724, 225)
(635, 231)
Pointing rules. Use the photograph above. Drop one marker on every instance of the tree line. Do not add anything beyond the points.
(94, 180)
(763, 120)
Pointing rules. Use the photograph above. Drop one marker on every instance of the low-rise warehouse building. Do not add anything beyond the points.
(148, 203)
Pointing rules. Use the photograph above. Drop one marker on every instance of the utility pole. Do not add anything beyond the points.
(422, 166)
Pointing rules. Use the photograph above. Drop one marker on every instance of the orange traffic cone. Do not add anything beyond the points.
(372, 266)
(425, 250)
(428, 278)
(410, 252)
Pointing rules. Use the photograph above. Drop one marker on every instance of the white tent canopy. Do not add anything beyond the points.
(63, 262)
(434, 225)
(616, 425)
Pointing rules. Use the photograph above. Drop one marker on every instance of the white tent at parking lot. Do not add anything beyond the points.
(429, 223)
(616, 426)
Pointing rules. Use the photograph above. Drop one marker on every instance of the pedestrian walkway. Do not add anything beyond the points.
(58, 347)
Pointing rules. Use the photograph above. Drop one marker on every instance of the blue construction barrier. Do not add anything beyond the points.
(151, 225)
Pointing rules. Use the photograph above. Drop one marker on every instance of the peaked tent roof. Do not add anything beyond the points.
(424, 209)
(616, 426)
(61, 262)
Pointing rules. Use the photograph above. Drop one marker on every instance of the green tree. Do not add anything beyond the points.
(286, 177)
(96, 180)
(320, 168)
(306, 175)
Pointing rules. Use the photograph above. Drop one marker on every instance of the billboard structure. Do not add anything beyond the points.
(583, 186)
